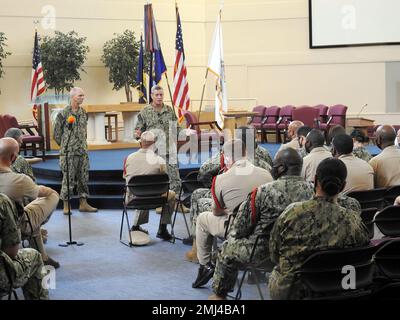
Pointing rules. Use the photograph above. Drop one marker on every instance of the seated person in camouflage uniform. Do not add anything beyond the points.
(228, 190)
(18, 268)
(359, 141)
(255, 218)
(302, 133)
(310, 226)
(201, 198)
(19, 187)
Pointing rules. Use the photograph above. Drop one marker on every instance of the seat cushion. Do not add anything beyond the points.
(30, 139)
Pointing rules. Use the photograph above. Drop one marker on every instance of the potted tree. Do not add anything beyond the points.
(3, 52)
(120, 56)
(63, 56)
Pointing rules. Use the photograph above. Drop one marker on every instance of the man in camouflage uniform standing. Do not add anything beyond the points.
(18, 268)
(162, 121)
(311, 226)
(256, 217)
(77, 150)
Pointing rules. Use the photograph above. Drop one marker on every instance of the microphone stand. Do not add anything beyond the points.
(70, 242)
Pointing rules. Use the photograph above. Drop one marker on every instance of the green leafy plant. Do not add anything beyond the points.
(63, 56)
(120, 56)
(3, 52)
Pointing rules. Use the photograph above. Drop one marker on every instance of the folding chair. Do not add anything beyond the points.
(369, 198)
(149, 192)
(388, 221)
(322, 273)
(188, 185)
(254, 267)
(11, 291)
(391, 194)
(367, 217)
(387, 261)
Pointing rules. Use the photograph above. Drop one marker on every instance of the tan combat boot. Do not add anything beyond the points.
(85, 207)
(65, 207)
(191, 255)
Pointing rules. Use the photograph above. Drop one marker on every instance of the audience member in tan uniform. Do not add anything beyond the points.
(19, 188)
(228, 190)
(292, 135)
(360, 175)
(145, 162)
(316, 153)
(386, 165)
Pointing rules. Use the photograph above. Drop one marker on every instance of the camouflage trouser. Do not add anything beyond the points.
(174, 178)
(233, 254)
(26, 272)
(200, 201)
(78, 175)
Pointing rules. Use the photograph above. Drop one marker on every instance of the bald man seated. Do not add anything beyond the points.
(386, 165)
(145, 162)
(292, 135)
(19, 188)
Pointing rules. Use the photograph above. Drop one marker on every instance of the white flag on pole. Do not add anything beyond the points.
(216, 65)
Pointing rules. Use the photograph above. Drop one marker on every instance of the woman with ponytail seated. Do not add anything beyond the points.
(359, 141)
(310, 226)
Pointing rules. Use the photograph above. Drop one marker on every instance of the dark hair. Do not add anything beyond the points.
(334, 131)
(303, 131)
(316, 138)
(343, 144)
(331, 176)
(359, 136)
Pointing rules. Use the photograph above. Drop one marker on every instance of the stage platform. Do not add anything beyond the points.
(106, 184)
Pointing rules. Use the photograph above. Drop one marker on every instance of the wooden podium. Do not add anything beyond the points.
(236, 119)
(360, 123)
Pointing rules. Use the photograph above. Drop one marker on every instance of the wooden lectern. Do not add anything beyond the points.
(236, 119)
(360, 123)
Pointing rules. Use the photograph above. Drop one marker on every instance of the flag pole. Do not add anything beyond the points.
(169, 90)
(202, 94)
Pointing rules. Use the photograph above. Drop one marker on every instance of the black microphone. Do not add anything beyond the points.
(358, 114)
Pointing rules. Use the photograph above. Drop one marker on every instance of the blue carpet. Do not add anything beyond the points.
(113, 159)
(106, 269)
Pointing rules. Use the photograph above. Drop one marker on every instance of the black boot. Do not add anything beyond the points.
(188, 241)
(163, 233)
(206, 272)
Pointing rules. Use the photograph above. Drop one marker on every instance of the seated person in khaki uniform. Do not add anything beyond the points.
(316, 153)
(18, 268)
(144, 162)
(229, 190)
(386, 165)
(292, 135)
(19, 187)
(360, 175)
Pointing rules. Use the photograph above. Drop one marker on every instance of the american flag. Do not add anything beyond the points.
(181, 88)
(38, 86)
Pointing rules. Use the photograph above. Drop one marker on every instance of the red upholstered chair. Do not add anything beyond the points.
(323, 113)
(269, 124)
(308, 115)
(214, 134)
(336, 115)
(257, 120)
(30, 140)
(2, 127)
(285, 117)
